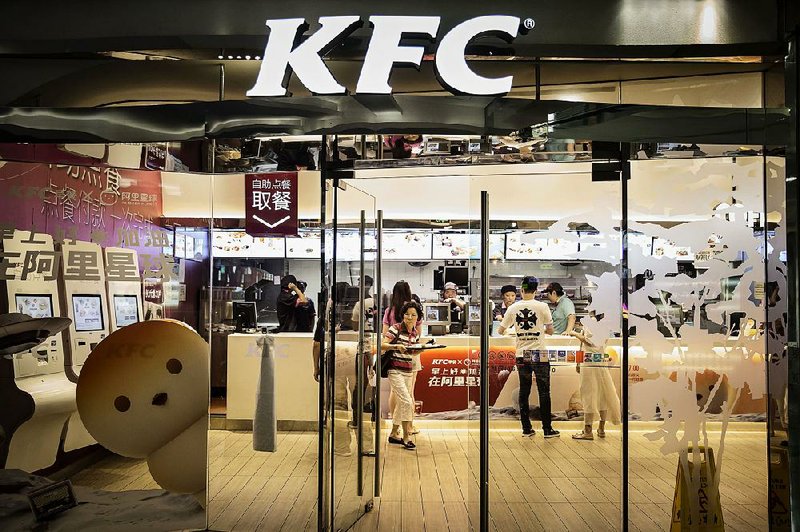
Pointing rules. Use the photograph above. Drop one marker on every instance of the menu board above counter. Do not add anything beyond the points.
(527, 245)
(348, 246)
(304, 246)
(240, 244)
(407, 245)
(453, 245)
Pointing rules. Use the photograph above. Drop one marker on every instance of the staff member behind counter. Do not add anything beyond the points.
(509, 294)
(564, 313)
(458, 306)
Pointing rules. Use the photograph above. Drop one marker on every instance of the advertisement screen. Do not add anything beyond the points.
(35, 306)
(180, 245)
(407, 245)
(240, 244)
(304, 246)
(455, 245)
(189, 254)
(126, 310)
(88, 312)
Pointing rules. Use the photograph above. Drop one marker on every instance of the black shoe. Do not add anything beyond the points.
(409, 445)
(398, 441)
(528, 433)
(550, 433)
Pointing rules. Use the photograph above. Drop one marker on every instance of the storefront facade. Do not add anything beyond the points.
(683, 268)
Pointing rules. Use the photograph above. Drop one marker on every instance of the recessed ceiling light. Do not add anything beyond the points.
(230, 57)
(247, 57)
(238, 57)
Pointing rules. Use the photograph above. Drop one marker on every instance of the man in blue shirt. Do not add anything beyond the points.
(564, 313)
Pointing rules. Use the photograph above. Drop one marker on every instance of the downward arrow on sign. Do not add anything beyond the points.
(271, 226)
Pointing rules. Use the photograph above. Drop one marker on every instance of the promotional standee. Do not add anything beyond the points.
(32, 289)
(124, 287)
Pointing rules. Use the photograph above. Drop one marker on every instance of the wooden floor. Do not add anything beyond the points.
(536, 484)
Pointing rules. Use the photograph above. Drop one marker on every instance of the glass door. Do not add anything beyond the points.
(550, 312)
(348, 428)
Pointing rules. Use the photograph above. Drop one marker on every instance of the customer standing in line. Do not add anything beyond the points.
(532, 320)
(564, 313)
(395, 345)
(598, 393)
(401, 294)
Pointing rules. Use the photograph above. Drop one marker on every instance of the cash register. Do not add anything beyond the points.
(437, 318)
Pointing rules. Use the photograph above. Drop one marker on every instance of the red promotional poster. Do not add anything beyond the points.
(271, 204)
(105, 205)
(451, 376)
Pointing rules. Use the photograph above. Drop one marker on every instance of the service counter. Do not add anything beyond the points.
(295, 388)
(445, 387)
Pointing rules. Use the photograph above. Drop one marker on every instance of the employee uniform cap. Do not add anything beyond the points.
(449, 286)
(508, 288)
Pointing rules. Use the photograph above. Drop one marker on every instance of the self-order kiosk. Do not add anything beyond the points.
(31, 288)
(84, 301)
(124, 287)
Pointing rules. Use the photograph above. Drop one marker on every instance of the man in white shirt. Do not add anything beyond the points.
(531, 320)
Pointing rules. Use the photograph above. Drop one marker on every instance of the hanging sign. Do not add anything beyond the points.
(271, 204)
(287, 52)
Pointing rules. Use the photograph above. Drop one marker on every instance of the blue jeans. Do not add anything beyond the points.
(542, 372)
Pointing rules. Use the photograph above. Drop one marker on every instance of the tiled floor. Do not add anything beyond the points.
(536, 484)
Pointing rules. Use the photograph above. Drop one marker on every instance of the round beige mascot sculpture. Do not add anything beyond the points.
(143, 393)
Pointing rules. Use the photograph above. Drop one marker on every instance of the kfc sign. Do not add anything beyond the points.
(271, 204)
(283, 55)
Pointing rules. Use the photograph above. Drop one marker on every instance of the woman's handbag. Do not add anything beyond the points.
(386, 363)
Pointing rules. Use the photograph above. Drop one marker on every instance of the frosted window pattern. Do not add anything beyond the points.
(697, 311)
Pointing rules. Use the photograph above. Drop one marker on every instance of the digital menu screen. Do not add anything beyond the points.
(189, 247)
(304, 246)
(199, 244)
(529, 245)
(169, 249)
(126, 310)
(407, 245)
(524, 246)
(454, 245)
(180, 245)
(348, 245)
(497, 246)
(88, 312)
(240, 244)
(35, 305)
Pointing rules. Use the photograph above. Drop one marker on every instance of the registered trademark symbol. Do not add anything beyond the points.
(529, 23)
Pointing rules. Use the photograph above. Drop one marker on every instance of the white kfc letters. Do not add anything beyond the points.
(283, 55)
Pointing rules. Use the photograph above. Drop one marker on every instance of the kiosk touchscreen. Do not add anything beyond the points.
(126, 310)
(83, 301)
(33, 290)
(124, 285)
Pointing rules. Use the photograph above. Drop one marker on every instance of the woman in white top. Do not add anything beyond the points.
(598, 393)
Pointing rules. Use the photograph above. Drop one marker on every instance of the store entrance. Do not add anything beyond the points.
(675, 383)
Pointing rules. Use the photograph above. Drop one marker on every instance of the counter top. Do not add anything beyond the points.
(295, 388)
